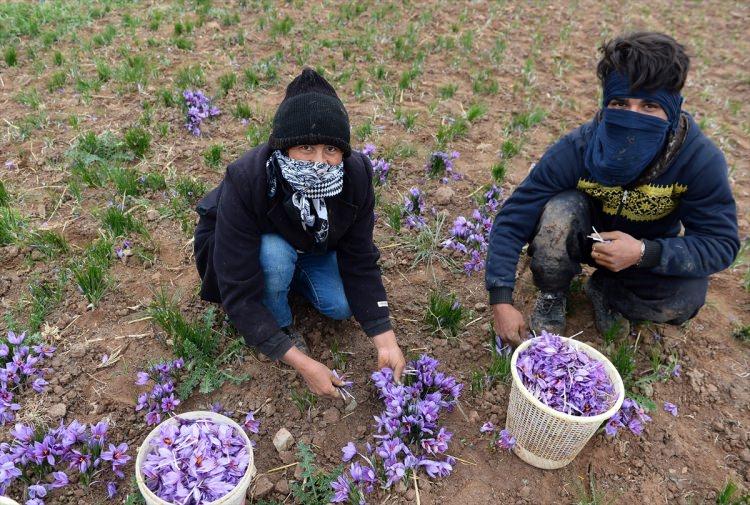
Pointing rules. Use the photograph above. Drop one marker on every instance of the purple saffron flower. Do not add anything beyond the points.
(142, 379)
(487, 427)
(199, 108)
(671, 408)
(341, 487)
(251, 424)
(61, 480)
(116, 454)
(99, 431)
(37, 491)
(42, 451)
(506, 440)
(16, 339)
(169, 403)
(349, 450)
(440, 165)
(153, 417)
(369, 149)
(111, 489)
(79, 460)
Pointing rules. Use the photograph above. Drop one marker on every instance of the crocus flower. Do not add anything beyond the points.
(341, 487)
(251, 424)
(408, 435)
(506, 440)
(349, 450)
(199, 108)
(671, 408)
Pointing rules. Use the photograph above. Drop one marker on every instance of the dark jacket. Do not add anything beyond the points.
(688, 186)
(227, 247)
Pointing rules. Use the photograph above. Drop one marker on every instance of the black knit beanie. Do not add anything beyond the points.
(311, 113)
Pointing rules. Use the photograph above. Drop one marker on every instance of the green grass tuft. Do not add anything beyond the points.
(203, 348)
(444, 313)
(138, 141)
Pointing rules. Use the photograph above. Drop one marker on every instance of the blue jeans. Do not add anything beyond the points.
(315, 276)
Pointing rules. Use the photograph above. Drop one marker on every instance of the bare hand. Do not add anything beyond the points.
(389, 353)
(620, 252)
(318, 377)
(509, 324)
(320, 380)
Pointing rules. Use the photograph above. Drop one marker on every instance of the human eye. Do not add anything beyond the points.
(332, 149)
(652, 106)
(617, 102)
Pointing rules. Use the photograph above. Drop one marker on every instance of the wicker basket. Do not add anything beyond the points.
(546, 438)
(234, 497)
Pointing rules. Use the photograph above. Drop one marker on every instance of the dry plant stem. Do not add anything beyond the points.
(416, 487)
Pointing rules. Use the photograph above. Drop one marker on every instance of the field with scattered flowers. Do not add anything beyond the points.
(118, 115)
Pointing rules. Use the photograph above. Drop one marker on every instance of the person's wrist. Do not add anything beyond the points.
(384, 340)
(641, 253)
(296, 359)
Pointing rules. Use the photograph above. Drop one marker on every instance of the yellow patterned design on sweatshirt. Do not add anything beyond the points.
(648, 202)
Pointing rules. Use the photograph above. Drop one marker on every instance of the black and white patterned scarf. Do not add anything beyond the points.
(311, 182)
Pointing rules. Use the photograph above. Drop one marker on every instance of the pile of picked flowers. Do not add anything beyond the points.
(44, 459)
(408, 435)
(194, 461)
(564, 378)
(470, 237)
(20, 367)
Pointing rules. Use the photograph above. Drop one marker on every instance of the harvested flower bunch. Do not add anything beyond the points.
(195, 461)
(564, 378)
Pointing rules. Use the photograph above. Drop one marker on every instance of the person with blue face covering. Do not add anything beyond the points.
(297, 214)
(639, 193)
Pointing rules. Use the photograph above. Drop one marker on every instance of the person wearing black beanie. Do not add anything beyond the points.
(297, 213)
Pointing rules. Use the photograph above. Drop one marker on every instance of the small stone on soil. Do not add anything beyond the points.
(262, 487)
(58, 411)
(282, 486)
(283, 440)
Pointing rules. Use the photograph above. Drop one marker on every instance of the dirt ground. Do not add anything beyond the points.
(541, 55)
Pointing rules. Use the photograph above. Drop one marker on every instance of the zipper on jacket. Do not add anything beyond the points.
(623, 200)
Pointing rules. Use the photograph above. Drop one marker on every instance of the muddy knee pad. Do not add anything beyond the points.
(559, 244)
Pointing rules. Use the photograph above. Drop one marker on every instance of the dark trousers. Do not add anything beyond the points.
(560, 246)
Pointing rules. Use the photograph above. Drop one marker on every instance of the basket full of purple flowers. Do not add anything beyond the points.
(196, 458)
(562, 392)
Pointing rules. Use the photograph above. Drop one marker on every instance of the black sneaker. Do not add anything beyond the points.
(549, 313)
(297, 339)
(610, 323)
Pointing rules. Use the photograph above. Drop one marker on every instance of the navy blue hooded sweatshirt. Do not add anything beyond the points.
(691, 189)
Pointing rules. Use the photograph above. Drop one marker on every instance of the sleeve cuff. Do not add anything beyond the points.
(651, 254)
(376, 326)
(276, 346)
(501, 295)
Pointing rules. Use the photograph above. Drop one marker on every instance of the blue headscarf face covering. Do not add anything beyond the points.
(625, 142)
